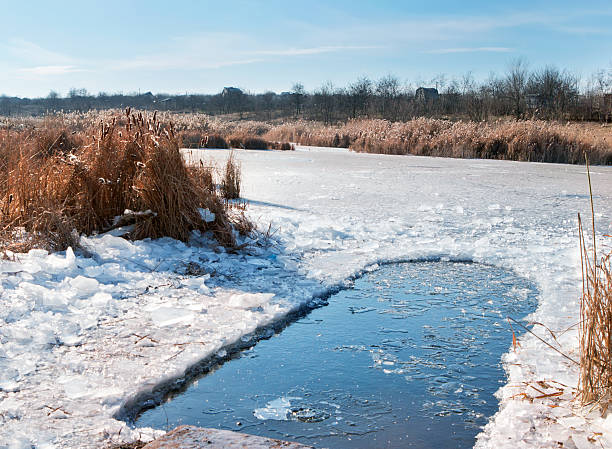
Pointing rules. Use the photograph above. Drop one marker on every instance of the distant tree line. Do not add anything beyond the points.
(547, 93)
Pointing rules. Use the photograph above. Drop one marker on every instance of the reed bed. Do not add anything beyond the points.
(595, 322)
(523, 140)
(62, 179)
(529, 140)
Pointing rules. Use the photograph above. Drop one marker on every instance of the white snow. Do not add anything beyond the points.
(82, 337)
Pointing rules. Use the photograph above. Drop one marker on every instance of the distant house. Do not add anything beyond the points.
(231, 91)
(426, 94)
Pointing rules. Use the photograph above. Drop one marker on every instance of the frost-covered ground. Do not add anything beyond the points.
(82, 337)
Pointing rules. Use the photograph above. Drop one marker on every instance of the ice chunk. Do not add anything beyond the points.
(207, 215)
(11, 267)
(75, 386)
(278, 409)
(249, 300)
(166, 316)
(101, 299)
(84, 286)
(38, 252)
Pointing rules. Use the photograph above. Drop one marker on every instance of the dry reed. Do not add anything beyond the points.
(524, 140)
(595, 321)
(528, 140)
(54, 181)
(230, 182)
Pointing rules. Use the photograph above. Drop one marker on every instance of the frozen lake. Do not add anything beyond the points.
(409, 356)
(84, 341)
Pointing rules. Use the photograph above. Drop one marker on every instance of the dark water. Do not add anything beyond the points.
(409, 357)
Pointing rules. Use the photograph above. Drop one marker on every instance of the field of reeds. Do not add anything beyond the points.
(61, 177)
(193, 130)
(519, 140)
(525, 140)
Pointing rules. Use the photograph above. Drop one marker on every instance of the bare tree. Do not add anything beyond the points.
(359, 94)
(267, 100)
(298, 92)
(554, 90)
(388, 90)
(439, 81)
(515, 85)
(472, 99)
(324, 101)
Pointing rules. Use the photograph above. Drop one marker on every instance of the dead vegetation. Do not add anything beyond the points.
(595, 321)
(230, 182)
(57, 182)
(229, 137)
(519, 140)
(133, 445)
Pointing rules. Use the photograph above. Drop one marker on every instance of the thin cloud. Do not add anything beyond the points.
(34, 53)
(585, 30)
(47, 70)
(313, 50)
(216, 57)
(444, 51)
(177, 63)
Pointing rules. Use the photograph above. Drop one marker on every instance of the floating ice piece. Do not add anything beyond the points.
(278, 409)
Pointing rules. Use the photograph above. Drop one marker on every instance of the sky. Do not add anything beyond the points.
(191, 47)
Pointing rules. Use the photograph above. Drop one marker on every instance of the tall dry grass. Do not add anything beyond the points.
(595, 322)
(56, 183)
(525, 140)
(529, 140)
(230, 182)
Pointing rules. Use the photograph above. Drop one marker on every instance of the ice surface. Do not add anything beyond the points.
(130, 317)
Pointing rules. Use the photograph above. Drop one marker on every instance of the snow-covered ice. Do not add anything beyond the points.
(83, 338)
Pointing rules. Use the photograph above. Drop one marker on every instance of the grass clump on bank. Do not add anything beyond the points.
(56, 184)
(230, 182)
(198, 139)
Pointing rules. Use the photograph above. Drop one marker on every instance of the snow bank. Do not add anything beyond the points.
(81, 338)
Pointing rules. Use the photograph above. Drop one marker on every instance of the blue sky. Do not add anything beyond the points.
(200, 46)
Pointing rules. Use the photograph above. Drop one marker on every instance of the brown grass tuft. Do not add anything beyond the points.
(214, 141)
(230, 182)
(54, 188)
